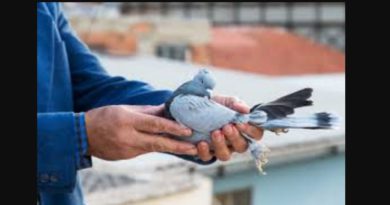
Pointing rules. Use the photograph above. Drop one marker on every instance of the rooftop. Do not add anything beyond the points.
(272, 51)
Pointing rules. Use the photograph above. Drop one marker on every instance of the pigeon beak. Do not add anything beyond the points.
(209, 91)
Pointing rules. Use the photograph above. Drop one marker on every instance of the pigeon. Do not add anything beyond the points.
(191, 105)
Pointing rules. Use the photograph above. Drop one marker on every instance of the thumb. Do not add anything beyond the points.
(147, 109)
(240, 107)
(233, 103)
(154, 110)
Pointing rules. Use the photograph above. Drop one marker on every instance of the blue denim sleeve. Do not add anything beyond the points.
(56, 144)
(62, 150)
(82, 158)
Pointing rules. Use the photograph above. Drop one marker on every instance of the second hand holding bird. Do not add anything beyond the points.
(228, 140)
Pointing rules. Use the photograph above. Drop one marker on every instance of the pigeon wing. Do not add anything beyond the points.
(200, 113)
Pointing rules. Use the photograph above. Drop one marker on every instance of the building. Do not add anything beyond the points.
(322, 21)
(255, 37)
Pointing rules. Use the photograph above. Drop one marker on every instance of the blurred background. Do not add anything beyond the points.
(257, 51)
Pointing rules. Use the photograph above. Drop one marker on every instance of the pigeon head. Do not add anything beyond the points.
(205, 78)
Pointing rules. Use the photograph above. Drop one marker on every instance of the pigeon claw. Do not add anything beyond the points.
(280, 130)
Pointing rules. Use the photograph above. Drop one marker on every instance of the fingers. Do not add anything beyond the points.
(232, 102)
(158, 143)
(240, 107)
(153, 110)
(254, 132)
(153, 124)
(221, 149)
(237, 141)
(204, 151)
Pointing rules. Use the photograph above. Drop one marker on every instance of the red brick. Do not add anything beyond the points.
(200, 54)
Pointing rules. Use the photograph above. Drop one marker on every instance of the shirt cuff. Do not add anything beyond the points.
(83, 160)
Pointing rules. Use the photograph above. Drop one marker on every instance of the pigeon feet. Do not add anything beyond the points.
(280, 130)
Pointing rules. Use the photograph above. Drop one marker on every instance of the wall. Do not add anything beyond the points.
(320, 182)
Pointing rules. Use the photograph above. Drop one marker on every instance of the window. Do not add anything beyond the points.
(241, 197)
(177, 51)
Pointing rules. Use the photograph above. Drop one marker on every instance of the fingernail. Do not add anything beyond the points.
(187, 132)
(241, 126)
(241, 106)
(218, 137)
(202, 145)
(228, 129)
(182, 126)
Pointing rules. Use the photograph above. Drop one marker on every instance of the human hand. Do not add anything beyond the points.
(228, 139)
(122, 132)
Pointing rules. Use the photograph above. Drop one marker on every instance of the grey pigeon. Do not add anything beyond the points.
(191, 105)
